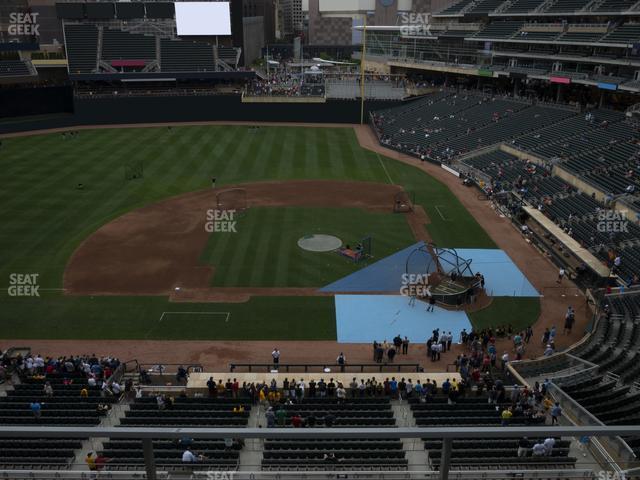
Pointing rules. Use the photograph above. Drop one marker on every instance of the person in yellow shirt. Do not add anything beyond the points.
(238, 409)
(91, 461)
(84, 393)
(506, 416)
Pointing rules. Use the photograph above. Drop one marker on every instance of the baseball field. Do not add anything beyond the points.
(60, 194)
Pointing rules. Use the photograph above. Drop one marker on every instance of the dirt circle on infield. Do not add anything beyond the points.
(319, 243)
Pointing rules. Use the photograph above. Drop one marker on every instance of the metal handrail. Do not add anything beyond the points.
(415, 367)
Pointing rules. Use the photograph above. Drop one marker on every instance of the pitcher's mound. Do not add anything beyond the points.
(319, 243)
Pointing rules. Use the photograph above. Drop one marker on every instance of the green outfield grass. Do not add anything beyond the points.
(44, 217)
(520, 312)
(154, 318)
(264, 251)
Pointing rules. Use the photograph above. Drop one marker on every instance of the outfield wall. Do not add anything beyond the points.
(28, 100)
(153, 109)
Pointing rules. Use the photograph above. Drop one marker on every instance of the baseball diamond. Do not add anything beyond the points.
(259, 240)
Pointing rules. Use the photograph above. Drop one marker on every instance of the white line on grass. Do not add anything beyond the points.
(440, 213)
(384, 168)
(228, 314)
(226, 320)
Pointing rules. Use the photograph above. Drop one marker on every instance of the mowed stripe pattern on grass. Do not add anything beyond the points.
(106, 318)
(44, 217)
(264, 251)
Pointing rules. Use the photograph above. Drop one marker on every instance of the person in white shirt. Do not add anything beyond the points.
(91, 381)
(548, 445)
(115, 388)
(505, 360)
(538, 450)
(189, 457)
(408, 387)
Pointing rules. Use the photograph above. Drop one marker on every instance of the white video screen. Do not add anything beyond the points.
(203, 18)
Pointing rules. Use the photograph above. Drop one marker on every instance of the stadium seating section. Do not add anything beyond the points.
(606, 390)
(172, 55)
(128, 454)
(119, 45)
(600, 148)
(65, 408)
(194, 412)
(14, 68)
(81, 42)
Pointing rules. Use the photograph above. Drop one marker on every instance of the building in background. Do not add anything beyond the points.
(292, 17)
(331, 22)
(253, 26)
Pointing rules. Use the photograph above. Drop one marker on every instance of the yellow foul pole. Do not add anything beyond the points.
(362, 59)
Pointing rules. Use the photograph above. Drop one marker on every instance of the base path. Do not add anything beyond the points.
(151, 250)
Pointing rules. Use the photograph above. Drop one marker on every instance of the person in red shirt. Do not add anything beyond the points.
(296, 421)
(234, 388)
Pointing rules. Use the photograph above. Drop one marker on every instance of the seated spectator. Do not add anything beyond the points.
(330, 457)
(182, 376)
(297, 421)
(538, 450)
(329, 419)
(95, 462)
(48, 390)
(271, 418)
(523, 447)
(189, 457)
(185, 442)
(36, 409)
(549, 443)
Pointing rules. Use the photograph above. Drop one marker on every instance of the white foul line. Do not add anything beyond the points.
(226, 320)
(440, 213)
(384, 168)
